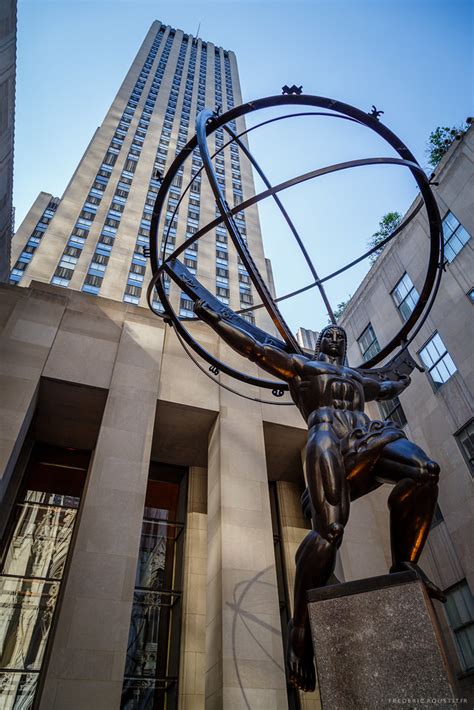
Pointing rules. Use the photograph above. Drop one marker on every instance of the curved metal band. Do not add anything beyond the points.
(436, 252)
(346, 267)
(242, 249)
(184, 333)
(289, 221)
(231, 389)
(239, 135)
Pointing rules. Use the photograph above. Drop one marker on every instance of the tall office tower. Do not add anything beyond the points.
(7, 117)
(94, 239)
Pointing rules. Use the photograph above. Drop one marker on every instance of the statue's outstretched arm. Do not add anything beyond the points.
(377, 388)
(271, 359)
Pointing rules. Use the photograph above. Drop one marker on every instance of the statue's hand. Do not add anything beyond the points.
(199, 306)
(202, 309)
(404, 381)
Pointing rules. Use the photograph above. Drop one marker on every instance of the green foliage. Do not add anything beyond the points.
(387, 225)
(440, 140)
(340, 308)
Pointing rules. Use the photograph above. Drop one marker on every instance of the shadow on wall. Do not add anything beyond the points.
(249, 621)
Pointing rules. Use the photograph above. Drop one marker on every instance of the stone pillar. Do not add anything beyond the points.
(294, 529)
(244, 654)
(193, 634)
(88, 652)
(27, 337)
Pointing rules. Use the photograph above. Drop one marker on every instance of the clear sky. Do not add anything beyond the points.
(411, 58)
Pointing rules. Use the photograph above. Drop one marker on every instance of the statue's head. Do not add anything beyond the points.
(332, 343)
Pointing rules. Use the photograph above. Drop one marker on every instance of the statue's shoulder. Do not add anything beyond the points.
(300, 361)
(353, 372)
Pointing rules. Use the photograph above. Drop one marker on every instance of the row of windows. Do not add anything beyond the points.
(440, 367)
(96, 270)
(65, 268)
(136, 275)
(190, 255)
(434, 355)
(33, 242)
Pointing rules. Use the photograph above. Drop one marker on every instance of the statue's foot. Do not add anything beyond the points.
(299, 659)
(434, 592)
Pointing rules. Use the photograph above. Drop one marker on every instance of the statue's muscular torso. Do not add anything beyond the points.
(319, 384)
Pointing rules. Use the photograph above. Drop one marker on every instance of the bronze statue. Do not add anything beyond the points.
(347, 456)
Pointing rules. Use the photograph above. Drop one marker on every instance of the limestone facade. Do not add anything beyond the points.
(436, 415)
(137, 397)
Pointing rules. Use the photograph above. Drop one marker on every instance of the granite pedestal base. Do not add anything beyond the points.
(376, 645)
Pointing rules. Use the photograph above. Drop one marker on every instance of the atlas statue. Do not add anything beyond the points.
(347, 456)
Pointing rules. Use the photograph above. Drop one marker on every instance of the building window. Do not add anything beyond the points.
(405, 296)
(34, 559)
(437, 361)
(465, 439)
(246, 298)
(454, 235)
(459, 609)
(186, 307)
(368, 343)
(151, 667)
(393, 410)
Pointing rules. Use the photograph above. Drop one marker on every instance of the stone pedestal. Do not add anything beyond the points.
(377, 646)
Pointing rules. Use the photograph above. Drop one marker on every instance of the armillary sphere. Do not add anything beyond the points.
(207, 123)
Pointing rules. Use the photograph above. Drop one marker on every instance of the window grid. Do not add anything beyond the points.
(368, 343)
(437, 360)
(93, 282)
(465, 439)
(33, 242)
(459, 610)
(405, 296)
(133, 289)
(454, 235)
(392, 409)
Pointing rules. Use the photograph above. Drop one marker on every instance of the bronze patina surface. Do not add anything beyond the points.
(347, 456)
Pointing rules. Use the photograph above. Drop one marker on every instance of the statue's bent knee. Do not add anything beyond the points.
(335, 533)
(432, 471)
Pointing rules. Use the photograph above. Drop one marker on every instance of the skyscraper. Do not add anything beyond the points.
(94, 238)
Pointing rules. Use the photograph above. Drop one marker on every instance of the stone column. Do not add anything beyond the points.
(88, 653)
(244, 654)
(31, 324)
(193, 634)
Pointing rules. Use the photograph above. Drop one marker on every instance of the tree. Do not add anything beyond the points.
(340, 308)
(440, 140)
(387, 225)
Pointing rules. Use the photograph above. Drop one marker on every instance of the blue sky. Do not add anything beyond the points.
(411, 58)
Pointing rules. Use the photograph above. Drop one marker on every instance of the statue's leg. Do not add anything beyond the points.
(316, 556)
(412, 502)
